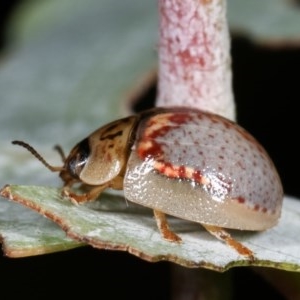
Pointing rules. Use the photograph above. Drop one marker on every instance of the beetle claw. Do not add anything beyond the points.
(224, 236)
(66, 193)
(82, 198)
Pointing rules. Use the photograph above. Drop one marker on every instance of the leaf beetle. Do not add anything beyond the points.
(183, 162)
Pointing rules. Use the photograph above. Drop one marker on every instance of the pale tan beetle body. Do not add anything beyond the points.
(184, 162)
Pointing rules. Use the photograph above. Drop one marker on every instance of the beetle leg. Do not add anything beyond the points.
(163, 226)
(81, 198)
(224, 236)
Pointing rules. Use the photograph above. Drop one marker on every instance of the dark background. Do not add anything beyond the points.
(266, 86)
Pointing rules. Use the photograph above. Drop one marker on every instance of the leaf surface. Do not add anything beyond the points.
(273, 22)
(112, 223)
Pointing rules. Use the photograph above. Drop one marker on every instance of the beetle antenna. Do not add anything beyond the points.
(61, 152)
(38, 156)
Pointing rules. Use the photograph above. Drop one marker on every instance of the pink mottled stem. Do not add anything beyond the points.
(194, 58)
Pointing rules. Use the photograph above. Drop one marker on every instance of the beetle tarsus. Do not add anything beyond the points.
(163, 226)
(223, 235)
(82, 198)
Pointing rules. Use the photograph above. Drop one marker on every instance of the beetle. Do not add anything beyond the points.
(184, 162)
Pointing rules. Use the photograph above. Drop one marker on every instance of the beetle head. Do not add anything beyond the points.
(98, 159)
(75, 162)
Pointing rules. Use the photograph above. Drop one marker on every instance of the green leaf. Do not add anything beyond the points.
(75, 65)
(25, 233)
(266, 21)
(113, 223)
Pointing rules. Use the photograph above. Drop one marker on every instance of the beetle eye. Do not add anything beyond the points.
(76, 164)
(78, 158)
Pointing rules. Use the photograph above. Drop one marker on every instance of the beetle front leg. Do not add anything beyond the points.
(81, 198)
(163, 226)
(224, 236)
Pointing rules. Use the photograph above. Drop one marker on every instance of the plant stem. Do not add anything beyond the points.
(194, 56)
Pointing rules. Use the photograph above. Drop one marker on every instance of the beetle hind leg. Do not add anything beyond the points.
(163, 226)
(224, 236)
